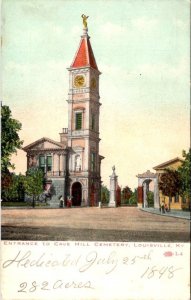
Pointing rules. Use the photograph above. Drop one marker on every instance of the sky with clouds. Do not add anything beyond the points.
(141, 48)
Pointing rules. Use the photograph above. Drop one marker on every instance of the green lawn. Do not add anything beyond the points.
(16, 203)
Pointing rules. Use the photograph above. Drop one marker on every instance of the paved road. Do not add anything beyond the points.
(90, 224)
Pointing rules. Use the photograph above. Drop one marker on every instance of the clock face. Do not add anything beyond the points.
(79, 81)
(93, 83)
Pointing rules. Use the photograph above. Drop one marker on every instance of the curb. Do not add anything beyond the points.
(166, 214)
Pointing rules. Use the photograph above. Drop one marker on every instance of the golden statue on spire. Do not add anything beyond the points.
(85, 20)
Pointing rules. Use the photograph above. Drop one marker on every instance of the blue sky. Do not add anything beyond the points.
(141, 48)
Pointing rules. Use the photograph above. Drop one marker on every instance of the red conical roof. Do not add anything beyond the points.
(84, 56)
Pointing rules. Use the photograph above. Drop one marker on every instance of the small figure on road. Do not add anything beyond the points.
(162, 207)
(166, 207)
(61, 201)
(69, 201)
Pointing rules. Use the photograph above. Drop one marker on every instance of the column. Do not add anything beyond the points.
(45, 159)
(156, 193)
(113, 185)
(64, 163)
(61, 164)
(145, 204)
(140, 193)
(56, 164)
(53, 164)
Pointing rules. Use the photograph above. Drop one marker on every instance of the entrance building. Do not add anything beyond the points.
(73, 165)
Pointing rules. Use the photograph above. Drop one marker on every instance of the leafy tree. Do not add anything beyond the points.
(133, 198)
(13, 187)
(10, 140)
(118, 196)
(170, 183)
(150, 198)
(34, 183)
(126, 193)
(104, 194)
(6, 183)
(185, 175)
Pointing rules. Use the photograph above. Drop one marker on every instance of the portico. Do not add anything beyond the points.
(144, 181)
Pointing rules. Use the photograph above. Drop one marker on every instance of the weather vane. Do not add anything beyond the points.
(85, 20)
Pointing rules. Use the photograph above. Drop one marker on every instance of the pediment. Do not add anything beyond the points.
(147, 174)
(44, 144)
(169, 163)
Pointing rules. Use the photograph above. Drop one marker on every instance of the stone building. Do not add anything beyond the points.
(176, 202)
(72, 166)
(146, 178)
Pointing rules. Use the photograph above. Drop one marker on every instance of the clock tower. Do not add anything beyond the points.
(84, 161)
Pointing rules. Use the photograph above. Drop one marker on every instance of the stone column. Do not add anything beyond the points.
(113, 187)
(145, 203)
(156, 193)
(45, 158)
(58, 165)
(140, 193)
(52, 164)
(62, 164)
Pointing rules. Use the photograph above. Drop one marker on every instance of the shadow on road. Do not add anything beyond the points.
(68, 234)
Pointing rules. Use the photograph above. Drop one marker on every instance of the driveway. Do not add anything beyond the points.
(92, 223)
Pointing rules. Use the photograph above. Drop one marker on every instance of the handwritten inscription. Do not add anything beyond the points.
(159, 272)
(86, 269)
(93, 259)
(82, 263)
(35, 286)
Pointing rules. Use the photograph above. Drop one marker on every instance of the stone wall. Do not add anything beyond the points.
(57, 191)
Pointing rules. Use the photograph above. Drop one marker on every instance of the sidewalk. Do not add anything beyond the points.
(173, 213)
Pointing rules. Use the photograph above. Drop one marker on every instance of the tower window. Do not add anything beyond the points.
(78, 121)
(93, 161)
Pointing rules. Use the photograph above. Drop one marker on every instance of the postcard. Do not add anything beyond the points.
(95, 156)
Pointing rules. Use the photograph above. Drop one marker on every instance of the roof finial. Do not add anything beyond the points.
(84, 17)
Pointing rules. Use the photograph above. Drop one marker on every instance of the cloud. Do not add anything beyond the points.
(76, 31)
(112, 30)
(164, 70)
(181, 24)
(179, 71)
(144, 24)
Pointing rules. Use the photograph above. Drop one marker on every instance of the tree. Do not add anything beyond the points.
(104, 194)
(133, 198)
(185, 175)
(13, 187)
(34, 183)
(126, 193)
(170, 183)
(150, 199)
(6, 183)
(10, 140)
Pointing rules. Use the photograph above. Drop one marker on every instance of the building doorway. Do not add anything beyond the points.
(76, 194)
